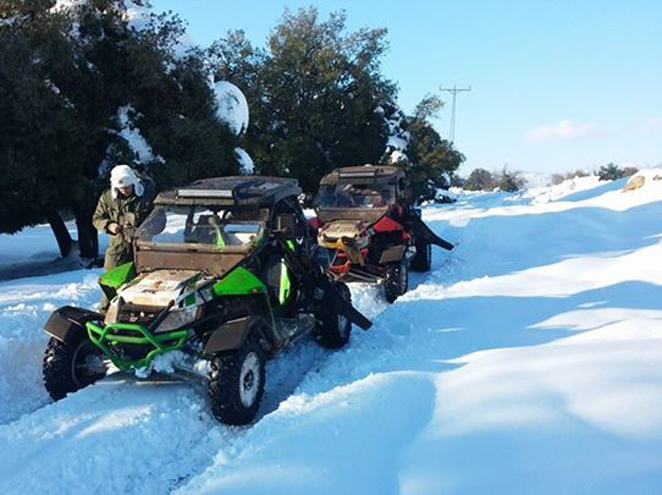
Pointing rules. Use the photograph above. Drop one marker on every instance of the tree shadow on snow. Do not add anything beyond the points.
(455, 327)
(500, 244)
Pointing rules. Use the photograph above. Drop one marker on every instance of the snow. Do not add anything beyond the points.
(32, 244)
(529, 360)
(232, 107)
(126, 116)
(398, 156)
(396, 143)
(35, 251)
(398, 138)
(246, 164)
(63, 5)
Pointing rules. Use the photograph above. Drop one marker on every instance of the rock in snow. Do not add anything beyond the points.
(641, 177)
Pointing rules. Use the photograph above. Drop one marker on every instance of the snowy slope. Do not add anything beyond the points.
(529, 360)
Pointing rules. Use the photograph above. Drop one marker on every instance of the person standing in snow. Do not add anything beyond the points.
(120, 209)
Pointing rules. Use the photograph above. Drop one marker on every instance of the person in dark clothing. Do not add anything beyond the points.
(121, 208)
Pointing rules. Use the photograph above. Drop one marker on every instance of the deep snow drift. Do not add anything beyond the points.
(528, 360)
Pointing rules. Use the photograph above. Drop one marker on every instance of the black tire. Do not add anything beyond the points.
(236, 383)
(333, 330)
(72, 365)
(422, 260)
(397, 280)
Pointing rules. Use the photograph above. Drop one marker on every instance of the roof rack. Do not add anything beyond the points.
(236, 190)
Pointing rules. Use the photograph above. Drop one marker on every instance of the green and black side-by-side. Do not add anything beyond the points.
(227, 274)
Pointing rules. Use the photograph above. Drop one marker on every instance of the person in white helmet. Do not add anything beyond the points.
(120, 209)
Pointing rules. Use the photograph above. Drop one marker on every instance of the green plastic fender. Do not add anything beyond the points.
(239, 282)
(116, 277)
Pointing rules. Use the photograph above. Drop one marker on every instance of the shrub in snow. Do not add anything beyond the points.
(611, 171)
(509, 180)
(557, 178)
(480, 180)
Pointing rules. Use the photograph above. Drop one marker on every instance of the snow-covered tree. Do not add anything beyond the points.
(414, 144)
(312, 93)
(87, 84)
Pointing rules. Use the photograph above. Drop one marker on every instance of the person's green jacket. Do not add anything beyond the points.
(128, 212)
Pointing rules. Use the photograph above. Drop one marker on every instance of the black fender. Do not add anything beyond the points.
(67, 321)
(232, 334)
(422, 231)
(315, 277)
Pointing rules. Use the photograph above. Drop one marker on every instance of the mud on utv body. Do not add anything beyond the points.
(366, 218)
(225, 272)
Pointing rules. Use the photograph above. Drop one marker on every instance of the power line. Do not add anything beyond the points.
(454, 91)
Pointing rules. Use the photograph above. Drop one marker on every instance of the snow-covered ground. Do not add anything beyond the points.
(34, 250)
(529, 360)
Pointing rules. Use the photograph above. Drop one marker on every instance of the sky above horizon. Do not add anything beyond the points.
(556, 85)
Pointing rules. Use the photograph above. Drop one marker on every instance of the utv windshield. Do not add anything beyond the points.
(210, 226)
(355, 196)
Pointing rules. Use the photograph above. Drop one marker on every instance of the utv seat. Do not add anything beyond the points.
(207, 230)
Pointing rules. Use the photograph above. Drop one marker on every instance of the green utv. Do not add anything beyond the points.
(226, 275)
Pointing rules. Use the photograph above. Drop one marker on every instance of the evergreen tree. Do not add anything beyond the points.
(313, 94)
(73, 82)
(434, 160)
(611, 171)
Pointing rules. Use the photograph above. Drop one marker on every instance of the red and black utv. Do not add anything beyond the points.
(366, 218)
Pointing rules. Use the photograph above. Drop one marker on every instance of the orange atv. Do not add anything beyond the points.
(366, 219)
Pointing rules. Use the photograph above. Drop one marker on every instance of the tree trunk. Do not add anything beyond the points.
(62, 236)
(88, 239)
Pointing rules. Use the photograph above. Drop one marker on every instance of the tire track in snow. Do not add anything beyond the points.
(25, 305)
(139, 431)
(125, 423)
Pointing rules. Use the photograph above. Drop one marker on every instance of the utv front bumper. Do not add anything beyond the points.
(132, 346)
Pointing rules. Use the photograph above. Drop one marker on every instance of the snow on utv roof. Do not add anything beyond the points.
(235, 190)
(364, 174)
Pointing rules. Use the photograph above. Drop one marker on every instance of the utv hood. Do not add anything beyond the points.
(160, 287)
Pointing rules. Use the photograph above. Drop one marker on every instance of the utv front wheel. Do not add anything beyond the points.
(236, 383)
(71, 365)
(423, 258)
(334, 329)
(397, 280)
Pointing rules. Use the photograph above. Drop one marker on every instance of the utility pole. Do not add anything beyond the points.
(454, 91)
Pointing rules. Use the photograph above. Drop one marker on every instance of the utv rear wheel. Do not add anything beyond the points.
(423, 258)
(397, 280)
(334, 329)
(236, 383)
(72, 365)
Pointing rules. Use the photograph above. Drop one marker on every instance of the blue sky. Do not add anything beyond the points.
(556, 85)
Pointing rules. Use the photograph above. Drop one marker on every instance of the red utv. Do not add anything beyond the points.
(366, 219)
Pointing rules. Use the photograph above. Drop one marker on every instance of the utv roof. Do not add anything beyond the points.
(242, 190)
(363, 174)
